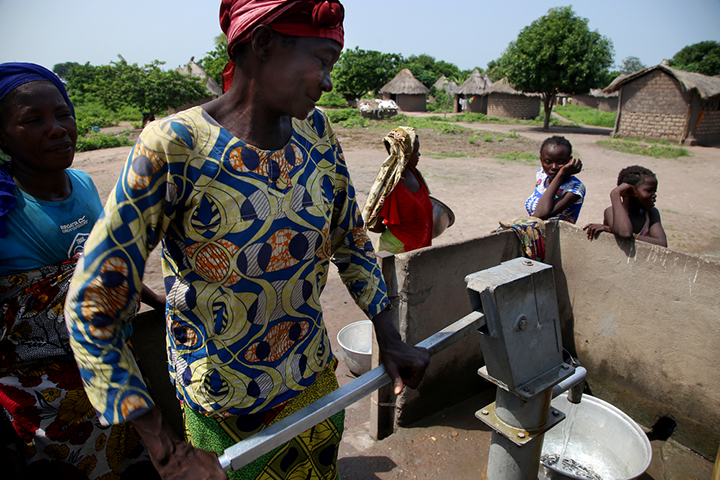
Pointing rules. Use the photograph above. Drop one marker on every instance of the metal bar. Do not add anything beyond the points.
(277, 434)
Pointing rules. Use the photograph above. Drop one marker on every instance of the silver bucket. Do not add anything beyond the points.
(603, 443)
(443, 216)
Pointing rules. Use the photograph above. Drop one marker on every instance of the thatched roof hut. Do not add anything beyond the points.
(506, 102)
(407, 91)
(597, 98)
(441, 82)
(196, 71)
(476, 84)
(705, 86)
(468, 96)
(669, 104)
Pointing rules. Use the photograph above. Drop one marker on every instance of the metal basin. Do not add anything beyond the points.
(443, 216)
(603, 443)
(356, 342)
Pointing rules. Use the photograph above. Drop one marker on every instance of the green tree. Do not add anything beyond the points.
(427, 70)
(557, 53)
(148, 88)
(214, 61)
(703, 57)
(360, 71)
(496, 69)
(62, 70)
(631, 65)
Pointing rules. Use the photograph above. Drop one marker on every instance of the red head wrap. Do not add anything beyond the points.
(301, 18)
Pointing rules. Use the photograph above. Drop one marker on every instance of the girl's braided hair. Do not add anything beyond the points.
(634, 175)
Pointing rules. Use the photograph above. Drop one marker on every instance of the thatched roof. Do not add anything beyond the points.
(195, 70)
(475, 85)
(443, 83)
(599, 93)
(503, 86)
(405, 83)
(706, 86)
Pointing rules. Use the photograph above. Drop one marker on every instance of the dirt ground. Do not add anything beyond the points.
(482, 190)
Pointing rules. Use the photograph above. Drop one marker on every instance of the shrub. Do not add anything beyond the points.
(86, 122)
(97, 141)
(488, 138)
(337, 116)
(332, 99)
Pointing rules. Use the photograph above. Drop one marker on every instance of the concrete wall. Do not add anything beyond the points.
(644, 321)
(653, 106)
(427, 290)
(512, 106)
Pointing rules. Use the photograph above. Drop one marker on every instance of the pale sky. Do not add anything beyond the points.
(468, 33)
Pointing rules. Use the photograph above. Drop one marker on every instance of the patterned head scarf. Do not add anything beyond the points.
(13, 75)
(399, 144)
(300, 18)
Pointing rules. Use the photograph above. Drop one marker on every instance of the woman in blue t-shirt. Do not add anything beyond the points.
(47, 211)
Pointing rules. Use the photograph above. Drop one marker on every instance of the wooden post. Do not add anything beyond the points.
(619, 112)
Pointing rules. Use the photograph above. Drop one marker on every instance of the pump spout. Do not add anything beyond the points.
(574, 385)
(576, 391)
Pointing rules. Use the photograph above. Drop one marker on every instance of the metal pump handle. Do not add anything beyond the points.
(267, 440)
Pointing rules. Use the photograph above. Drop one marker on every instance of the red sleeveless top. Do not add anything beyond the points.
(409, 216)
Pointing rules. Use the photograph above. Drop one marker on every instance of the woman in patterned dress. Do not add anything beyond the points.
(251, 199)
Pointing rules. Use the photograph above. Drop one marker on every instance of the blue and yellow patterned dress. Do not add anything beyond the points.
(247, 236)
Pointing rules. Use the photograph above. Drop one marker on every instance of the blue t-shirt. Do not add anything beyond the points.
(44, 233)
(571, 185)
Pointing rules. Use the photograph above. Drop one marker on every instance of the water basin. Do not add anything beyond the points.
(596, 441)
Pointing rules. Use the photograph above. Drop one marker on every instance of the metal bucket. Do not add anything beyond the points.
(356, 342)
(602, 443)
(443, 216)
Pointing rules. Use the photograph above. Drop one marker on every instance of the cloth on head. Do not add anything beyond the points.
(13, 75)
(301, 18)
(399, 144)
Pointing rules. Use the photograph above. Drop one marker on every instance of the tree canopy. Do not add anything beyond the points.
(148, 88)
(703, 57)
(62, 70)
(427, 70)
(557, 53)
(214, 61)
(359, 71)
(631, 65)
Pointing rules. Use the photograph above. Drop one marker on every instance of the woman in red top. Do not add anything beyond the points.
(399, 205)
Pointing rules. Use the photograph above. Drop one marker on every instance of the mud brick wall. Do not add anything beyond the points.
(653, 106)
(512, 106)
(709, 125)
